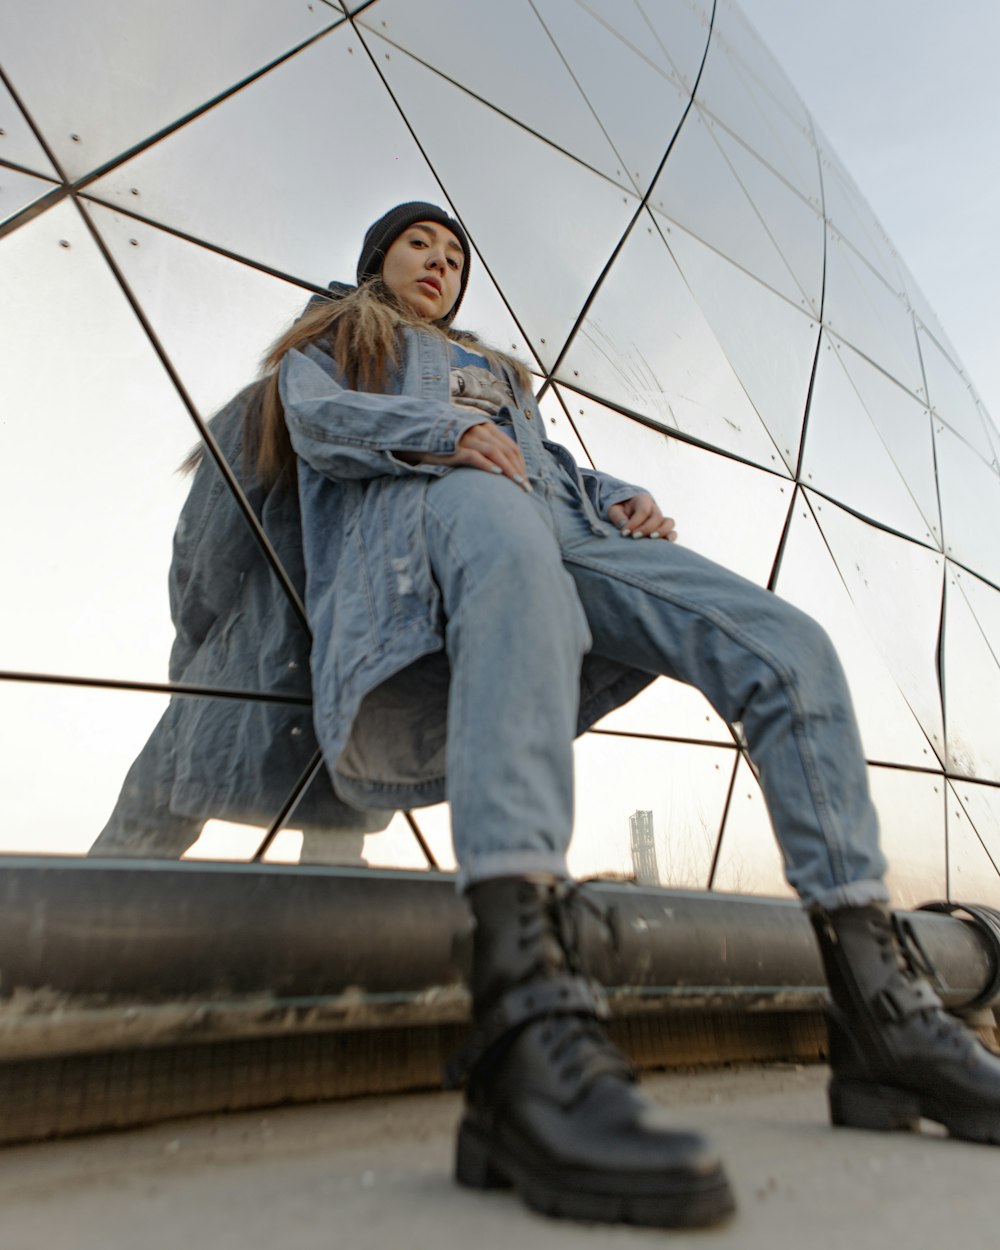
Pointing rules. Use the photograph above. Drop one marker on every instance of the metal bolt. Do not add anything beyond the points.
(64, 243)
(134, 242)
(135, 190)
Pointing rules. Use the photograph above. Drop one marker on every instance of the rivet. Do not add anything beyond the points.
(134, 242)
(2, 131)
(64, 242)
(135, 190)
(75, 138)
(541, 340)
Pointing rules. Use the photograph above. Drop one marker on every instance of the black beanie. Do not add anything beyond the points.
(384, 232)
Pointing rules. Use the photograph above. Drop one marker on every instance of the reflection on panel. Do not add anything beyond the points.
(971, 677)
(657, 355)
(123, 773)
(973, 876)
(710, 497)
(852, 218)
(18, 142)
(559, 428)
(394, 847)
(434, 824)
(98, 77)
(542, 95)
(605, 44)
(545, 251)
(861, 309)
(312, 229)
(769, 342)
(749, 860)
(94, 411)
(951, 398)
(970, 504)
(648, 810)
(981, 807)
(736, 88)
(669, 709)
(709, 190)
(850, 453)
(810, 579)
(911, 813)
(895, 587)
(18, 190)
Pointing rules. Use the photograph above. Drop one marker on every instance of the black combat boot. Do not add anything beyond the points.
(895, 1054)
(552, 1107)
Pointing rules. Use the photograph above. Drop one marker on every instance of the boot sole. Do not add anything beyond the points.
(481, 1164)
(889, 1109)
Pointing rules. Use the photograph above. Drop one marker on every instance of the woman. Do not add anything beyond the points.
(476, 600)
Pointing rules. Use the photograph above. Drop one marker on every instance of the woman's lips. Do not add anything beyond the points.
(432, 283)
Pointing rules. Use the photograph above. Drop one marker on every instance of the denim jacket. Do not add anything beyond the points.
(351, 541)
(379, 673)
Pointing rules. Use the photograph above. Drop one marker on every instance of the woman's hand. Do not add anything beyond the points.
(641, 518)
(483, 447)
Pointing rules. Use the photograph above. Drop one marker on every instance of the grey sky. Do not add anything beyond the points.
(908, 94)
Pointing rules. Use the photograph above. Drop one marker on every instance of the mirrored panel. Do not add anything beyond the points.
(737, 87)
(970, 504)
(141, 774)
(896, 588)
(852, 219)
(973, 875)
(971, 662)
(848, 456)
(451, 35)
(981, 807)
(749, 859)
(85, 564)
(18, 190)
(394, 847)
(681, 30)
(99, 77)
(545, 251)
(669, 709)
(711, 497)
(770, 343)
(310, 222)
(810, 579)
(911, 813)
(860, 308)
(657, 355)
(951, 398)
(648, 811)
(18, 143)
(434, 824)
(559, 425)
(605, 44)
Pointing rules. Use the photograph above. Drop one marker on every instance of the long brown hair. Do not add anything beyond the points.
(361, 330)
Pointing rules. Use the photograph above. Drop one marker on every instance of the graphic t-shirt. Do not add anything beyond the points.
(472, 384)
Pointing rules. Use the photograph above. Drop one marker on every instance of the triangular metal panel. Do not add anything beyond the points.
(708, 495)
(911, 813)
(810, 579)
(749, 859)
(971, 688)
(646, 346)
(339, 173)
(100, 77)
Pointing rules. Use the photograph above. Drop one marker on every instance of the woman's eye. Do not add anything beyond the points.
(452, 262)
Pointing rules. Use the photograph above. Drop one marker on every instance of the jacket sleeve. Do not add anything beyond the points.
(605, 490)
(353, 434)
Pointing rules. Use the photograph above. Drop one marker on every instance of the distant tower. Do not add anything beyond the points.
(643, 848)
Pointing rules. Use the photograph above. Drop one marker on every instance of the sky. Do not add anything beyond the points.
(907, 92)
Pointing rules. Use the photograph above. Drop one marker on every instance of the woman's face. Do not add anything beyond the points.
(423, 268)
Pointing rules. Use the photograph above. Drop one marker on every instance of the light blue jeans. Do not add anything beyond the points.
(529, 587)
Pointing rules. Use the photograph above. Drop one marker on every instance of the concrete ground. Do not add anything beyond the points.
(375, 1175)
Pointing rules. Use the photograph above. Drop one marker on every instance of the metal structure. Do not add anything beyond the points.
(661, 230)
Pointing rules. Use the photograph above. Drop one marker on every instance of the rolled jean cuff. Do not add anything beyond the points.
(853, 894)
(511, 864)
